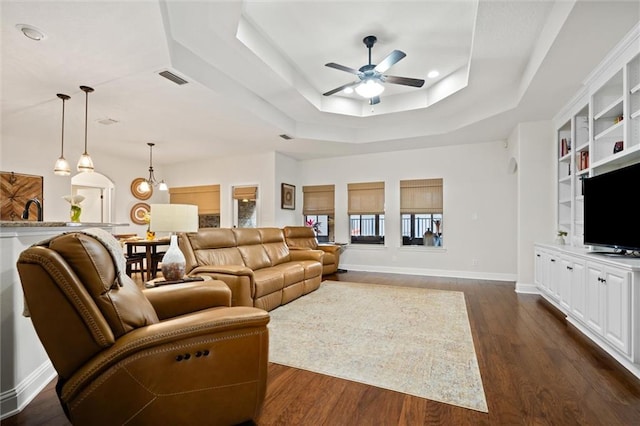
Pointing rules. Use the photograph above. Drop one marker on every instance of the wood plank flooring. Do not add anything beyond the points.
(535, 368)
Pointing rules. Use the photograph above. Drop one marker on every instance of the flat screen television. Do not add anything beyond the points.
(611, 214)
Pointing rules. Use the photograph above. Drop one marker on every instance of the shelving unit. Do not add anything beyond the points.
(598, 131)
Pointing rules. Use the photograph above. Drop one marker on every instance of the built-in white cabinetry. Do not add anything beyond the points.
(598, 131)
(599, 294)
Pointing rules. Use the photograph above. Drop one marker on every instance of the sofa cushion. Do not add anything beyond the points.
(221, 256)
(268, 280)
(274, 244)
(292, 272)
(212, 238)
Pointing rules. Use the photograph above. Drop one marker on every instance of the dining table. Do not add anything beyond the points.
(151, 251)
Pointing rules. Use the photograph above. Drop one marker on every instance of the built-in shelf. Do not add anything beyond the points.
(608, 110)
(609, 130)
(635, 114)
(635, 89)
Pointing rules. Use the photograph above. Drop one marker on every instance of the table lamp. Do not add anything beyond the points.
(174, 218)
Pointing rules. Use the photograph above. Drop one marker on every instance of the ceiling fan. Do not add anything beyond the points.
(372, 76)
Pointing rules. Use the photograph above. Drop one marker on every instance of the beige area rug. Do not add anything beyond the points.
(410, 340)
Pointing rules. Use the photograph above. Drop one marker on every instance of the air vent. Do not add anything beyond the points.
(171, 76)
(286, 137)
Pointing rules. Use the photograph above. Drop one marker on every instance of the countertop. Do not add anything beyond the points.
(34, 224)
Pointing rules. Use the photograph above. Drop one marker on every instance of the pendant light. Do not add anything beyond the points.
(62, 167)
(146, 185)
(85, 164)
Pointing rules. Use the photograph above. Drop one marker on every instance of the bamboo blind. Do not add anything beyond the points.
(318, 199)
(245, 192)
(366, 198)
(421, 196)
(206, 197)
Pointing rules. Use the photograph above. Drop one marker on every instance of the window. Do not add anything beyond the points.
(318, 209)
(366, 212)
(206, 197)
(245, 206)
(421, 212)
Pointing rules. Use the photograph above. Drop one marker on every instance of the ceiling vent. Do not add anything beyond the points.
(107, 121)
(286, 137)
(171, 76)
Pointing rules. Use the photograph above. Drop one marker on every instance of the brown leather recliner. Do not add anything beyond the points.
(176, 354)
(303, 237)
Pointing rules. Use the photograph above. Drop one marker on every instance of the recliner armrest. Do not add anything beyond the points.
(174, 300)
(329, 248)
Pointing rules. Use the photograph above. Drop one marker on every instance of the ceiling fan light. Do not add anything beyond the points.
(348, 90)
(369, 89)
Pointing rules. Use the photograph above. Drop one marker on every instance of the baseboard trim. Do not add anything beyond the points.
(524, 288)
(476, 275)
(14, 400)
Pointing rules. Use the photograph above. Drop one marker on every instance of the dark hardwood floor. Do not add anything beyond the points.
(536, 369)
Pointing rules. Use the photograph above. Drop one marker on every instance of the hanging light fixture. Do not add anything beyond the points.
(85, 164)
(146, 185)
(62, 167)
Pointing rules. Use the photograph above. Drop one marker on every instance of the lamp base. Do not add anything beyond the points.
(173, 262)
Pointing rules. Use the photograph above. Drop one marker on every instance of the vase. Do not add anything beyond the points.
(560, 240)
(173, 262)
(75, 213)
(151, 235)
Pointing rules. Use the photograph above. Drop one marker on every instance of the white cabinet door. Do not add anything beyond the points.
(595, 298)
(554, 276)
(618, 301)
(578, 290)
(565, 277)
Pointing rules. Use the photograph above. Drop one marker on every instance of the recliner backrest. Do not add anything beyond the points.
(302, 237)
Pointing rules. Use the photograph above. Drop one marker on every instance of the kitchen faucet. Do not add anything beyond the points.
(25, 213)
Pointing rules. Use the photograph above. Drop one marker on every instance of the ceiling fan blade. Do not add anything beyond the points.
(405, 81)
(342, 68)
(391, 59)
(374, 100)
(338, 89)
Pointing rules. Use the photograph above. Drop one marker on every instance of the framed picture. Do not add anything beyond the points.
(288, 196)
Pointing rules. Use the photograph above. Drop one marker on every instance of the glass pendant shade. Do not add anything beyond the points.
(85, 164)
(62, 167)
(163, 186)
(144, 186)
(369, 89)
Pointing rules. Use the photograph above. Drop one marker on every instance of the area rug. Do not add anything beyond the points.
(410, 340)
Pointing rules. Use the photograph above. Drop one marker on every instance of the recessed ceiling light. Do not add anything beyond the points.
(348, 90)
(30, 31)
(433, 74)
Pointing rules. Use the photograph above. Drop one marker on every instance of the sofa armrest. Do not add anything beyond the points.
(330, 248)
(238, 278)
(306, 255)
(174, 300)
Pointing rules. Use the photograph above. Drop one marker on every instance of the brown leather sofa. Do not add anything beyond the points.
(179, 356)
(255, 263)
(304, 238)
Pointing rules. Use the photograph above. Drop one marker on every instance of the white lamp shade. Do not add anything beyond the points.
(174, 218)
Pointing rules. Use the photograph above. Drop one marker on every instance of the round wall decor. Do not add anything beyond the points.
(135, 189)
(138, 212)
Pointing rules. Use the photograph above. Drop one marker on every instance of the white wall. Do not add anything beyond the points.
(479, 209)
(536, 194)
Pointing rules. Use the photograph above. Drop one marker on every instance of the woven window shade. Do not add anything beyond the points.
(318, 199)
(245, 192)
(366, 198)
(206, 197)
(421, 196)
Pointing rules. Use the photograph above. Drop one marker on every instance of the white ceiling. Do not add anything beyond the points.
(256, 70)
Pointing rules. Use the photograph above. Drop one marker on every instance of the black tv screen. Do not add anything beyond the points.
(611, 216)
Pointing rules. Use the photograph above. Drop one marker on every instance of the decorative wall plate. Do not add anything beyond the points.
(138, 212)
(135, 189)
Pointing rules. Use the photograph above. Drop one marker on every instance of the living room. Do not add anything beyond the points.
(493, 212)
